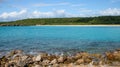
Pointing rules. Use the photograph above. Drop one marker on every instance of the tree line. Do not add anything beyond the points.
(64, 21)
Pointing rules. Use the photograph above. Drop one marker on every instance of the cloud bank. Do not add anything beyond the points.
(110, 11)
(24, 14)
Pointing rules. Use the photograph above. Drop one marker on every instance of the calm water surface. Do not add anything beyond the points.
(59, 39)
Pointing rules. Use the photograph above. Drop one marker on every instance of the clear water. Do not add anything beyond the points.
(60, 39)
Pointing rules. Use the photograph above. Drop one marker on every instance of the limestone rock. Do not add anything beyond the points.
(54, 61)
(45, 62)
(37, 66)
(80, 61)
(37, 58)
(61, 59)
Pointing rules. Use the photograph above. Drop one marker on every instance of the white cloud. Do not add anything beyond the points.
(47, 4)
(13, 14)
(23, 14)
(37, 14)
(50, 14)
(110, 11)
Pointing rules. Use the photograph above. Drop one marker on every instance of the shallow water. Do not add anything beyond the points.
(60, 39)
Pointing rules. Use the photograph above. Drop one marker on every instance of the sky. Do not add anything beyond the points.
(11, 10)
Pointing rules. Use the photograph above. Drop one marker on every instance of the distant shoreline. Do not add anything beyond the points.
(67, 25)
(76, 25)
(75, 21)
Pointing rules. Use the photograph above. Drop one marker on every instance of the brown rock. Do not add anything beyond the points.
(96, 55)
(3, 61)
(54, 61)
(11, 65)
(69, 60)
(37, 65)
(45, 62)
(14, 52)
(87, 60)
(116, 56)
(52, 57)
(23, 58)
(110, 56)
(85, 55)
(61, 59)
(55, 65)
(71, 65)
(37, 58)
(80, 61)
(78, 56)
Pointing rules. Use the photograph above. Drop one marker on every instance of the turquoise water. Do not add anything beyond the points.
(60, 39)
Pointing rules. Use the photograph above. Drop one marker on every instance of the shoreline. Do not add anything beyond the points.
(78, 25)
(102, 25)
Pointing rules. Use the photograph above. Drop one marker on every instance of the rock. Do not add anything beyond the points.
(23, 58)
(118, 50)
(29, 64)
(69, 60)
(95, 61)
(113, 56)
(54, 61)
(82, 59)
(45, 62)
(87, 60)
(55, 65)
(37, 58)
(37, 66)
(116, 56)
(61, 59)
(79, 61)
(17, 60)
(115, 63)
(96, 55)
(85, 55)
(11, 65)
(14, 52)
(44, 55)
(28, 58)
(110, 56)
(52, 57)
(78, 56)
(3, 61)
(71, 65)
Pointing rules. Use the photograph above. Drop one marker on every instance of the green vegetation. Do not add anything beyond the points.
(65, 21)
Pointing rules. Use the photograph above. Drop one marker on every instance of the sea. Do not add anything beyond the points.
(59, 39)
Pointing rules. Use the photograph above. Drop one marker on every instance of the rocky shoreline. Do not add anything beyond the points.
(17, 58)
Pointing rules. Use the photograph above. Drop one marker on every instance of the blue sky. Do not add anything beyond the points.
(22, 9)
